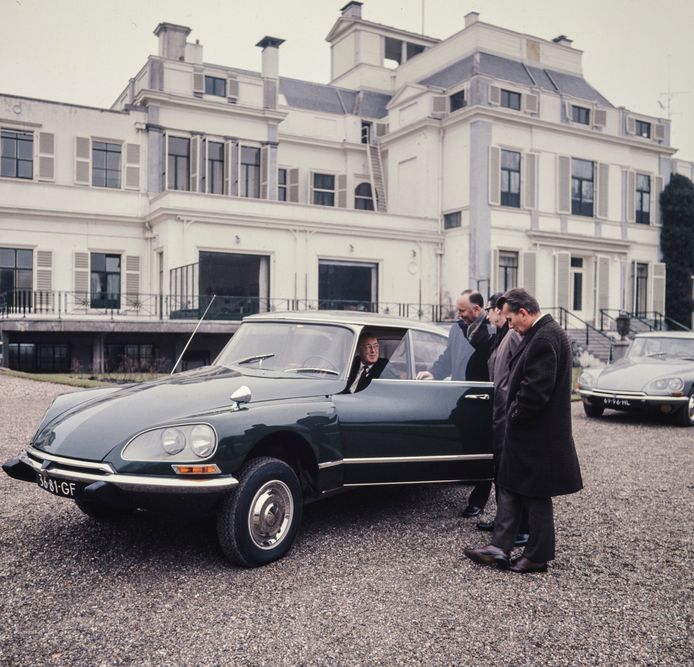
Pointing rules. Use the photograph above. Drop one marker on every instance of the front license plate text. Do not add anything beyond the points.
(58, 487)
(617, 402)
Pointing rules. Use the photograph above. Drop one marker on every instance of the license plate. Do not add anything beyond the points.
(617, 402)
(58, 487)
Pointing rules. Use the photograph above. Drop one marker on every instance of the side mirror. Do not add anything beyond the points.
(240, 396)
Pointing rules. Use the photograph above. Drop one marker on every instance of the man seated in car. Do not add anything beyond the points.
(367, 365)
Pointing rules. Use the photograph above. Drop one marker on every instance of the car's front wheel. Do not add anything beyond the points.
(102, 512)
(258, 522)
(593, 410)
(685, 416)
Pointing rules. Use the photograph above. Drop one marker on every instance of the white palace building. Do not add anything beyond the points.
(424, 167)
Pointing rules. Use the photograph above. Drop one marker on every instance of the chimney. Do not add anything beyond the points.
(172, 40)
(563, 40)
(471, 17)
(352, 10)
(270, 69)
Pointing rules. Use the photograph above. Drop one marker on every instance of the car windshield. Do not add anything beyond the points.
(678, 348)
(310, 349)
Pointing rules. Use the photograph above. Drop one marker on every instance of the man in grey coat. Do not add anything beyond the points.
(538, 459)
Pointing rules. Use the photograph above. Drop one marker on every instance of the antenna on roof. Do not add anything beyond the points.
(667, 107)
(193, 334)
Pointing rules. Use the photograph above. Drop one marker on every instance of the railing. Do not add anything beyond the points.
(568, 320)
(651, 320)
(59, 304)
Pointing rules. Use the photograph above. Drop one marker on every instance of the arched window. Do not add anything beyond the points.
(363, 199)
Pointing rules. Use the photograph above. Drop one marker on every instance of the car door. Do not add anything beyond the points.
(405, 430)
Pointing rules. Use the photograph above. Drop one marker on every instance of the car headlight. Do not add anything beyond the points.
(666, 385)
(586, 380)
(187, 442)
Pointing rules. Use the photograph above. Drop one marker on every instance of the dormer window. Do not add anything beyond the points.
(510, 99)
(215, 86)
(580, 115)
(643, 129)
(457, 100)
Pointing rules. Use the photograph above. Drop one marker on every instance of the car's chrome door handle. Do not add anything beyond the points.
(479, 397)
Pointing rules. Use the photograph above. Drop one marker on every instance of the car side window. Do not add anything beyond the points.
(397, 368)
(427, 348)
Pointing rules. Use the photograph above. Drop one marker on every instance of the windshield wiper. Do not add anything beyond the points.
(656, 354)
(253, 357)
(311, 369)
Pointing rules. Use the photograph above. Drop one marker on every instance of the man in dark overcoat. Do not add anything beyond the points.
(538, 459)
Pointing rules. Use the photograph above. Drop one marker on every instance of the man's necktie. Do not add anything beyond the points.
(363, 372)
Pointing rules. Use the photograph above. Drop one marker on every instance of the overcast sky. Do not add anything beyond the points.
(84, 51)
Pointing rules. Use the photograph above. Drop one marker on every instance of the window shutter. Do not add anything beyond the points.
(567, 111)
(83, 161)
(495, 270)
(380, 129)
(44, 279)
(204, 166)
(293, 184)
(529, 271)
(231, 168)
(655, 200)
(659, 132)
(631, 196)
(439, 104)
(531, 103)
(194, 163)
(494, 95)
(132, 166)
(132, 281)
(494, 175)
(264, 163)
(603, 283)
(631, 125)
(232, 89)
(530, 189)
(658, 271)
(563, 184)
(342, 190)
(46, 156)
(81, 278)
(198, 81)
(603, 190)
(599, 117)
(562, 262)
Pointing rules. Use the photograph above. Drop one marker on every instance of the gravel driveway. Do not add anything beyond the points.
(375, 577)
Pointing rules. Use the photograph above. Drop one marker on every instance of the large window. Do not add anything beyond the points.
(39, 357)
(17, 154)
(215, 86)
(457, 100)
(105, 280)
(643, 199)
(16, 276)
(363, 197)
(510, 178)
(324, 189)
(641, 289)
(106, 163)
(129, 358)
(643, 129)
(347, 286)
(508, 270)
(510, 99)
(250, 172)
(282, 185)
(215, 167)
(178, 167)
(577, 282)
(582, 187)
(580, 115)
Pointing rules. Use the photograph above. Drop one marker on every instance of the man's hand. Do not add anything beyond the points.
(424, 375)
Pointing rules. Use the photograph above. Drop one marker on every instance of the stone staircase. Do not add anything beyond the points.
(595, 352)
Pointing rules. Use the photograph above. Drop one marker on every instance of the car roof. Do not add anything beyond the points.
(350, 317)
(687, 335)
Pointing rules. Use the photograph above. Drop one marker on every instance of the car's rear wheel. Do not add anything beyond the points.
(258, 522)
(593, 410)
(102, 512)
(685, 416)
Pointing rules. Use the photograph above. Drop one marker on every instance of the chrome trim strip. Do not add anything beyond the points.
(330, 464)
(418, 481)
(146, 483)
(633, 397)
(75, 463)
(419, 459)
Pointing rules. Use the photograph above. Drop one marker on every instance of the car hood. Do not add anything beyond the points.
(634, 374)
(106, 419)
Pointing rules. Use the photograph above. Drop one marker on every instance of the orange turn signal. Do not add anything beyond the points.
(207, 469)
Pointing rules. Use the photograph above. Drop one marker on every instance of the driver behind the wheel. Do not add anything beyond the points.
(367, 365)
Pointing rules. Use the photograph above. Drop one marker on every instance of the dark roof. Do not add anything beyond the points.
(515, 71)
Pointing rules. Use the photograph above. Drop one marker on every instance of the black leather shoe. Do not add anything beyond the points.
(524, 565)
(472, 511)
(489, 555)
(486, 526)
(521, 539)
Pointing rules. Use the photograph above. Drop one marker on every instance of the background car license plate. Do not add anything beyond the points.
(617, 402)
(58, 487)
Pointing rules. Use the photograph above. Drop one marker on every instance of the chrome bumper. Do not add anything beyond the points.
(630, 396)
(90, 472)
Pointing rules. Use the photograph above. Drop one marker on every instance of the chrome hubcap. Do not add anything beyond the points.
(691, 408)
(270, 514)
